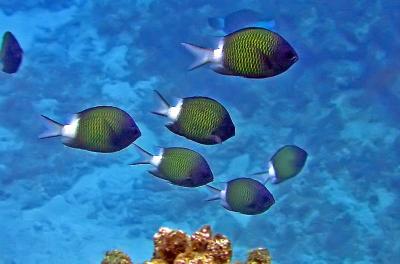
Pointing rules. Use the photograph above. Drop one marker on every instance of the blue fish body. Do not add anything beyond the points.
(240, 19)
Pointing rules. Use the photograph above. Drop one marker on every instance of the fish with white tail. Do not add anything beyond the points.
(243, 195)
(201, 119)
(98, 129)
(179, 166)
(250, 52)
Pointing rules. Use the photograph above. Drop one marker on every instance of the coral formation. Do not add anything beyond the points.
(259, 256)
(176, 247)
(116, 257)
(169, 243)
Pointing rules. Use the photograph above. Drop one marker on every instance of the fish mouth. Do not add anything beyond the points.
(294, 58)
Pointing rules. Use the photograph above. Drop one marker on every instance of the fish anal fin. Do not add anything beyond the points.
(218, 68)
(157, 174)
(173, 128)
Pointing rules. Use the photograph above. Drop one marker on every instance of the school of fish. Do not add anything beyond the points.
(249, 49)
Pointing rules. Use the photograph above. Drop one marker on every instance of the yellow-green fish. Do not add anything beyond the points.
(250, 52)
(98, 129)
(201, 119)
(179, 166)
(287, 162)
(243, 195)
(10, 54)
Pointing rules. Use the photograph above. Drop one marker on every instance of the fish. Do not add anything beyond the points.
(287, 162)
(250, 53)
(11, 53)
(103, 129)
(179, 166)
(241, 19)
(200, 119)
(243, 195)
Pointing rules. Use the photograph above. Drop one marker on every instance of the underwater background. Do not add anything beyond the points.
(340, 102)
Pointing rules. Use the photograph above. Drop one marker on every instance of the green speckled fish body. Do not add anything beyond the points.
(287, 162)
(247, 196)
(203, 120)
(256, 53)
(104, 129)
(252, 52)
(184, 167)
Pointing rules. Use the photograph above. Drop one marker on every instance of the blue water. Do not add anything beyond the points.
(340, 102)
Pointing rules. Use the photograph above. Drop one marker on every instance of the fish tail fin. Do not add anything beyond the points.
(215, 193)
(202, 55)
(163, 111)
(54, 129)
(145, 159)
(266, 178)
(216, 23)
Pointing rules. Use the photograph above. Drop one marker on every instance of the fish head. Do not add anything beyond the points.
(202, 175)
(285, 56)
(226, 130)
(263, 200)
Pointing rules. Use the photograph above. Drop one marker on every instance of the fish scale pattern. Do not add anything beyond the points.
(200, 117)
(287, 162)
(178, 163)
(245, 51)
(100, 129)
(240, 194)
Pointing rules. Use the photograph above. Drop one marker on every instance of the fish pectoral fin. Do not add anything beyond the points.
(215, 138)
(253, 205)
(187, 182)
(267, 62)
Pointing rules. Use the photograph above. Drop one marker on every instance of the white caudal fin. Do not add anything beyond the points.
(54, 129)
(215, 193)
(201, 55)
(163, 111)
(146, 157)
